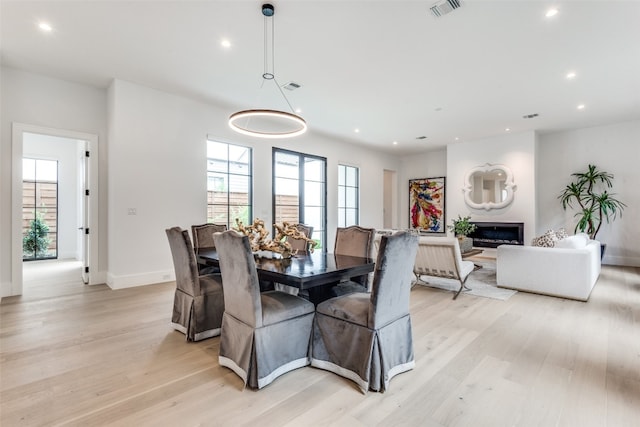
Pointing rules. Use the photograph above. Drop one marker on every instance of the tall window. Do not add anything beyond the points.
(39, 209)
(348, 195)
(299, 191)
(229, 183)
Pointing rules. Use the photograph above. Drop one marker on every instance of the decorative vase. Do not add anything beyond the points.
(466, 243)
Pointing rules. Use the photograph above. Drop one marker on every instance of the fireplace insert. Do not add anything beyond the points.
(494, 234)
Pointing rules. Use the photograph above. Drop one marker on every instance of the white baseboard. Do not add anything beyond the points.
(133, 280)
(621, 260)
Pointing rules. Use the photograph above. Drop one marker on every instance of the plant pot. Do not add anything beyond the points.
(466, 243)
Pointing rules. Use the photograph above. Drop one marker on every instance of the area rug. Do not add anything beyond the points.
(481, 282)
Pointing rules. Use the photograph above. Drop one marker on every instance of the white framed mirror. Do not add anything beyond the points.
(489, 187)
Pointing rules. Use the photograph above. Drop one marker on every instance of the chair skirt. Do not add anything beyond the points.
(375, 356)
(260, 355)
(197, 317)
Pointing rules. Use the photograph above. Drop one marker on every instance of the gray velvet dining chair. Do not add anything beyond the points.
(354, 241)
(198, 301)
(264, 335)
(203, 239)
(366, 337)
(301, 245)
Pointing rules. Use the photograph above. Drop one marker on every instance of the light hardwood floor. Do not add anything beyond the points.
(90, 356)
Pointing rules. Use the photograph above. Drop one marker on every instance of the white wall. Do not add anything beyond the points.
(431, 164)
(157, 165)
(65, 151)
(613, 148)
(43, 101)
(517, 152)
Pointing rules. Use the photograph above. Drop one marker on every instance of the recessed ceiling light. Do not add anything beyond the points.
(571, 75)
(356, 130)
(395, 142)
(581, 107)
(298, 110)
(456, 138)
(507, 129)
(551, 12)
(45, 26)
(225, 43)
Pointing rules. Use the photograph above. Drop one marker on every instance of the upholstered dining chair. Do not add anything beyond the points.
(198, 302)
(354, 241)
(366, 337)
(203, 238)
(264, 335)
(300, 245)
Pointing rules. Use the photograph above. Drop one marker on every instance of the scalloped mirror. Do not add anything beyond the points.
(489, 187)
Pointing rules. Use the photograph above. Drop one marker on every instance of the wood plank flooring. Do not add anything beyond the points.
(88, 356)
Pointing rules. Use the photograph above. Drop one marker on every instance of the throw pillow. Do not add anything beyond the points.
(547, 240)
(561, 234)
(572, 242)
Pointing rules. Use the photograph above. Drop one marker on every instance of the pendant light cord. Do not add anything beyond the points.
(272, 75)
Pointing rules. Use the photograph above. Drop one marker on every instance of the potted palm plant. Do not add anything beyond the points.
(462, 227)
(594, 203)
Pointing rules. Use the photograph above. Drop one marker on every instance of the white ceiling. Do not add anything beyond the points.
(389, 68)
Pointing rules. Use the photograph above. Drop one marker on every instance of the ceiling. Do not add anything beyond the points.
(387, 68)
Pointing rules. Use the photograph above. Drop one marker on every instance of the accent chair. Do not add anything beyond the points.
(441, 257)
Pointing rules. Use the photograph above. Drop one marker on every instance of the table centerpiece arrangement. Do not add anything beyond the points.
(264, 247)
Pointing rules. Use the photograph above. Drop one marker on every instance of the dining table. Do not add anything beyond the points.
(315, 272)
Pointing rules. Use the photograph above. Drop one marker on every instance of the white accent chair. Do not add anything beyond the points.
(441, 257)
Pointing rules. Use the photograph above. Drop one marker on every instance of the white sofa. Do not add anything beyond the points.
(568, 272)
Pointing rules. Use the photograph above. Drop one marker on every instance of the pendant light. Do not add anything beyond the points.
(268, 123)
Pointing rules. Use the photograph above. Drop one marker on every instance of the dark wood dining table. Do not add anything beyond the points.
(315, 272)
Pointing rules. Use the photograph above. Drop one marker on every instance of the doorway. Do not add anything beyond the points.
(390, 200)
(52, 209)
(75, 209)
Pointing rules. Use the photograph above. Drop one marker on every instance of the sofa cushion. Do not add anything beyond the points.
(573, 242)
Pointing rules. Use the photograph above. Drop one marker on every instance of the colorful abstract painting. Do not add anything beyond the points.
(426, 205)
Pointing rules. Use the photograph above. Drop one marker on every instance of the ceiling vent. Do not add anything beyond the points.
(443, 7)
(291, 86)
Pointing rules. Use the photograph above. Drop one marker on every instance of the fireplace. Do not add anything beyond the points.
(494, 234)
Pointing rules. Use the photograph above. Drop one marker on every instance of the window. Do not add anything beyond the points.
(348, 195)
(39, 209)
(299, 191)
(229, 183)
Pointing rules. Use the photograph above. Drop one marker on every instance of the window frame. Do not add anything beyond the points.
(227, 178)
(301, 196)
(342, 204)
(36, 182)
